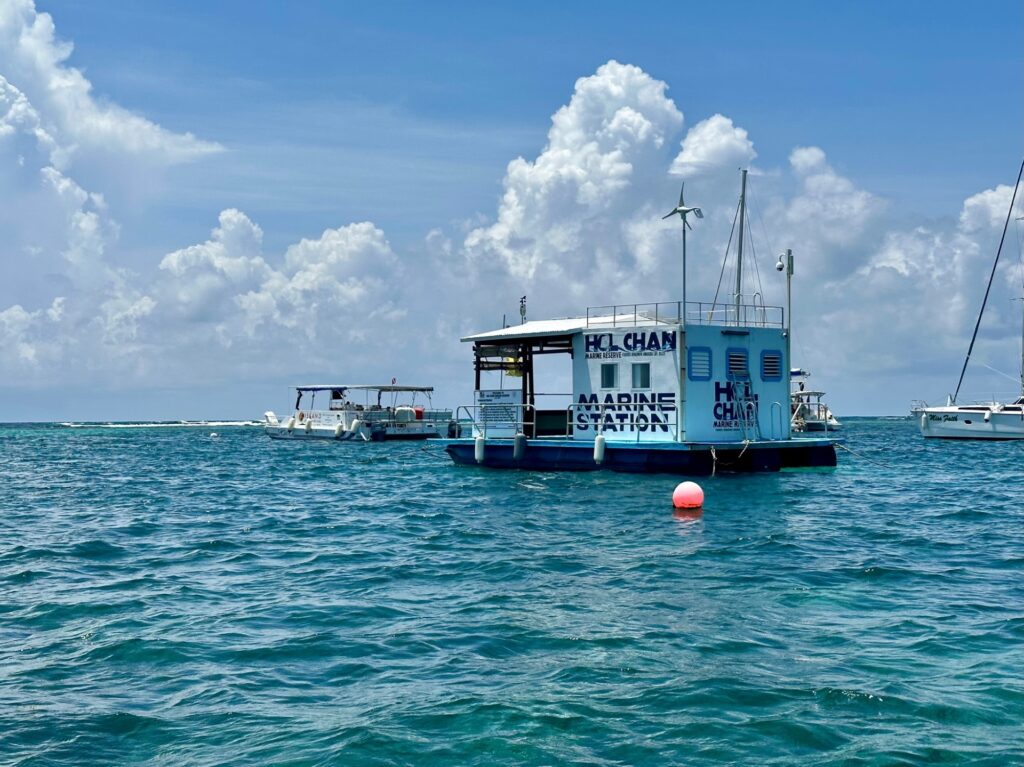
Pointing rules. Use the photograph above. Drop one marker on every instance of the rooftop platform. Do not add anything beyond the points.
(638, 315)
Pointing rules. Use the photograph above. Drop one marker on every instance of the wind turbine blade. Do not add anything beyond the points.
(682, 188)
(687, 224)
(668, 215)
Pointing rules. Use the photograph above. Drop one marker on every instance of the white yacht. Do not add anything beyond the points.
(980, 420)
(341, 416)
(807, 411)
(984, 420)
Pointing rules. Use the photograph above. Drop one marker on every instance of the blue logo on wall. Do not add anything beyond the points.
(638, 341)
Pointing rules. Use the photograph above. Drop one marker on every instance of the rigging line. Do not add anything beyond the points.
(764, 228)
(991, 277)
(757, 271)
(1020, 252)
(1000, 372)
(767, 239)
(725, 260)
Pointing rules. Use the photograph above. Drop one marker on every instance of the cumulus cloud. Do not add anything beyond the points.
(35, 61)
(712, 145)
(577, 224)
(566, 212)
(327, 290)
(987, 209)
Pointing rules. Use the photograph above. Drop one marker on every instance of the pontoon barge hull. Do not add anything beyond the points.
(692, 459)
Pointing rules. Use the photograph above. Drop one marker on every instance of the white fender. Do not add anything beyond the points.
(518, 447)
(309, 426)
(478, 449)
(988, 415)
(291, 424)
(357, 429)
(924, 421)
(339, 429)
(599, 449)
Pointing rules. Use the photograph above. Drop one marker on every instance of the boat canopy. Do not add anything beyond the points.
(363, 387)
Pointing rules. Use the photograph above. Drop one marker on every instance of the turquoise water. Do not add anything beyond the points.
(168, 598)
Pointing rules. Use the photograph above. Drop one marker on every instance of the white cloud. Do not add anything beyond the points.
(987, 209)
(325, 291)
(35, 61)
(578, 224)
(712, 145)
(562, 214)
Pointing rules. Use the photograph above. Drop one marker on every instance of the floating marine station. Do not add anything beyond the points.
(682, 387)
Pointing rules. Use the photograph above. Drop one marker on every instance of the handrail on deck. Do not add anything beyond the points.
(755, 314)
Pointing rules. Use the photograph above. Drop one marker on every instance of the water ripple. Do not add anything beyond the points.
(170, 599)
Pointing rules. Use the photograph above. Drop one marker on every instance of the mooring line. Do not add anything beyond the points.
(859, 455)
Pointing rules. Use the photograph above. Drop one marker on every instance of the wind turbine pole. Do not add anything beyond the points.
(683, 211)
(684, 281)
(739, 247)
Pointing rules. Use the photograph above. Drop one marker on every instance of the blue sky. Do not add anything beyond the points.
(316, 116)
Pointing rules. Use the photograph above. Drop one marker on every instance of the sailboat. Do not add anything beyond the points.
(982, 420)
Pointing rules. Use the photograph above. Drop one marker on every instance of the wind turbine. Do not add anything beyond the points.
(683, 211)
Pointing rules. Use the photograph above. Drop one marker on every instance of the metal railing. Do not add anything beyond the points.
(754, 314)
(744, 315)
(782, 420)
(637, 418)
(480, 425)
(632, 315)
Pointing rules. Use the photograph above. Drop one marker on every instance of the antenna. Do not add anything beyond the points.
(522, 310)
(683, 211)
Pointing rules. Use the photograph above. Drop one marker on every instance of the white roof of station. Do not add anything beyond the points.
(364, 387)
(566, 326)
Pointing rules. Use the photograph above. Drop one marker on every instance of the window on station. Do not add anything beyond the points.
(610, 376)
(771, 365)
(641, 375)
(736, 366)
(699, 363)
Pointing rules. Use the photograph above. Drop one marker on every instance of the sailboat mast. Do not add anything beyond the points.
(1009, 214)
(739, 247)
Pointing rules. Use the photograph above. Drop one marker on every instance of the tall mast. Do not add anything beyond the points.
(739, 247)
(991, 277)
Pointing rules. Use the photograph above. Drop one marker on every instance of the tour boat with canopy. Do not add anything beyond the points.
(808, 412)
(675, 387)
(361, 412)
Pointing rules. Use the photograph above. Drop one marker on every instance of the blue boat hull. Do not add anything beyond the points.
(693, 459)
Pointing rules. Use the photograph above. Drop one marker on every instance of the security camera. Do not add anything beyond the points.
(780, 266)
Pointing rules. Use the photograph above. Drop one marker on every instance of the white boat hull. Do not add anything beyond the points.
(359, 426)
(971, 422)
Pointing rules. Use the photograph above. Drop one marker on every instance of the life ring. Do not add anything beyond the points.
(301, 416)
